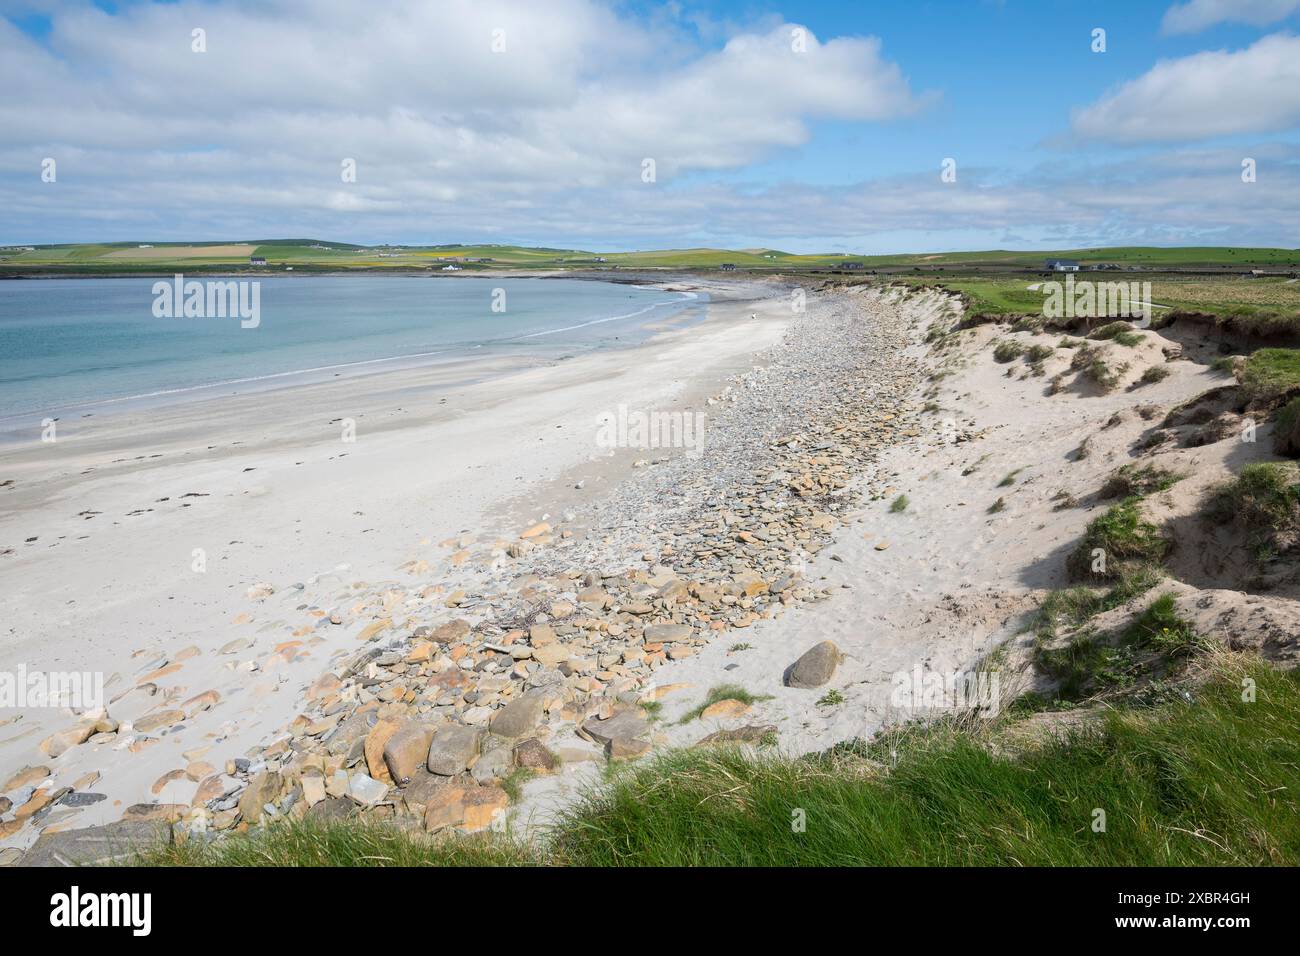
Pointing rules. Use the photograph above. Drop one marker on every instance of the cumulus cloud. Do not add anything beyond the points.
(458, 101)
(1209, 94)
(1197, 15)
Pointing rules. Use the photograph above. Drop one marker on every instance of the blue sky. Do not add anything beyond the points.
(836, 146)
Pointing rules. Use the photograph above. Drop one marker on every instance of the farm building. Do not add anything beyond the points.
(257, 261)
(1063, 265)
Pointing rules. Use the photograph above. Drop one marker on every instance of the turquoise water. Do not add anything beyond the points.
(73, 344)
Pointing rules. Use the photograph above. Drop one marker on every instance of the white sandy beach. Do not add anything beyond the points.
(266, 487)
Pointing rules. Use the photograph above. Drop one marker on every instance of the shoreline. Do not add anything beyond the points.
(506, 354)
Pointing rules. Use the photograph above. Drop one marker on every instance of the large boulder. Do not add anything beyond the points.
(520, 717)
(815, 667)
(407, 750)
(453, 748)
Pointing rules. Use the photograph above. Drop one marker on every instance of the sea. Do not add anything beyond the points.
(89, 346)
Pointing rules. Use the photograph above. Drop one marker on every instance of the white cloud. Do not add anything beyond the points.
(416, 95)
(1209, 94)
(1196, 15)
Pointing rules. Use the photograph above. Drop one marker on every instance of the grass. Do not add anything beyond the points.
(1089, 361)
(1149, 650)
(1263, 500)
(1268, 374)
(513, 782)
(1009, 478)
(832, 698)
(998, 506)
(1207, 781)
(1008, 350)
(1129, 480)
(1119, 332)
(1076, 606)
(1125, 539)
(1156, 373)
(900, 504)
(305, 843)
(723, 692)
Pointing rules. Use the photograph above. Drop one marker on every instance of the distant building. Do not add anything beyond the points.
(728, 267)
(853, 265)
(451, 268)
(257, 261)
(1063, 265)
(144, 245)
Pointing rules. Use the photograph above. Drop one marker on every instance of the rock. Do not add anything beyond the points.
(366, 790)
(551, 655)
(539, 635)
(150, 812)
(235, 646)
(536, 531)
(372, 630)
(422, 788)
(97, 846)
(520, 717)
(376, 741)
(10, 856)
(667, 633)
(261, 790)
(625, 727)
(158, 720)
(25, 777)
(64, 740)
(534, 755)
(260, 591)
(749, 734)
(466, 808)
(39, 801)
(332, 810)
(493, 765)
(453, 748)
(815, 667)
(450, 632)
(313, 790)
(76, 799)
(725, 708)
(406, 750)
(324, 686)
(626, 748)
(200, 702)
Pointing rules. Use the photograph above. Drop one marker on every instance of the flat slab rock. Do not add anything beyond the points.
(94, 846)
(625, 725)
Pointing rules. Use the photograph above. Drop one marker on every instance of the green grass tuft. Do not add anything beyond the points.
(1126, 538)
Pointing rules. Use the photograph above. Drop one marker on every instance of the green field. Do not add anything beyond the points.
(317, 255)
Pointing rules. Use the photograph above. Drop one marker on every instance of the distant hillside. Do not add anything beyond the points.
(320, 255)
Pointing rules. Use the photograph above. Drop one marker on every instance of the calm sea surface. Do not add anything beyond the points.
(96, 344)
